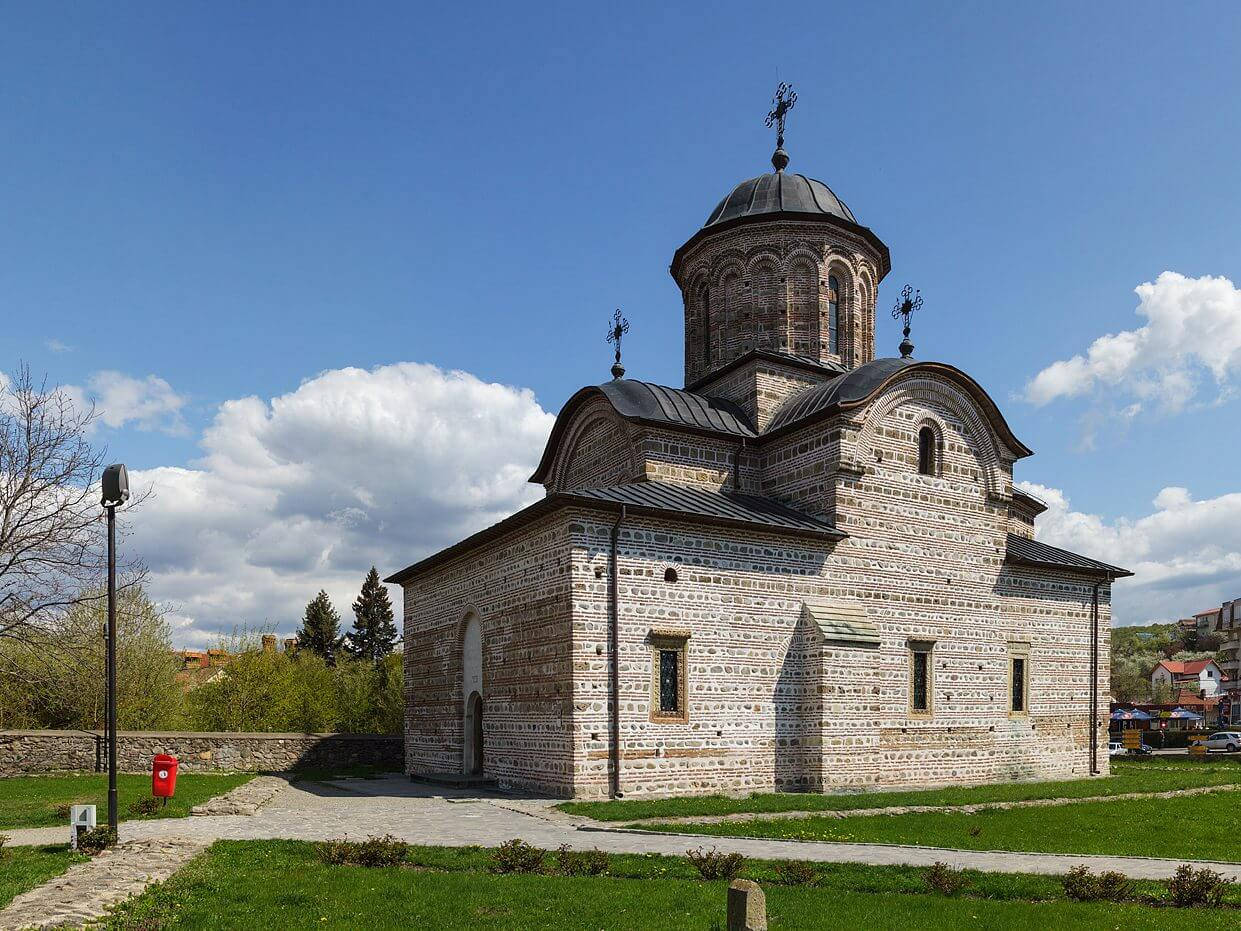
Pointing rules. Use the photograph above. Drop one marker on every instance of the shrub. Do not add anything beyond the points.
(516, 856)
(63, 812)
(944, 879)
(580, 862)
(1190, 887)
(374, 851)
(4, 839)
(796, 872)
(96, 840)
(1084, 886)
(711, 864)
(147, 805)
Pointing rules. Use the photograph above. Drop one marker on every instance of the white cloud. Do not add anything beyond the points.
(309, 489)
(1193, 328)
(120, 400)
(1185, 554)
(57, 346)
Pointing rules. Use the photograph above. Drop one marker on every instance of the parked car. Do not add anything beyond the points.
(1225, 740)
(1115, 748)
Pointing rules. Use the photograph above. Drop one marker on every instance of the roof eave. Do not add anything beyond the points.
(1111, 573)
(865, 232)
(558, 500)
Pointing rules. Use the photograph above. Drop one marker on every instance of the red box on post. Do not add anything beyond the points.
(164, 776)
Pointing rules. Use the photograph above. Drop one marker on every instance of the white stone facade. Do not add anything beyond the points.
(927, 551)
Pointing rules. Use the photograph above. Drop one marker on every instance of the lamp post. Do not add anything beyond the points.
(115, 491)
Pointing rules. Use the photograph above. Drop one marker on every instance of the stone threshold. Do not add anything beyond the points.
(741, 817)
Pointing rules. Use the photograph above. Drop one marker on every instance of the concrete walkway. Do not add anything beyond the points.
(422, 814)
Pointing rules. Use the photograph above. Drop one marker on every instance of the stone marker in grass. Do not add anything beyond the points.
(747, 906)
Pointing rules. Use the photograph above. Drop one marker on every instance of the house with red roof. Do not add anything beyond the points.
(1201, 676)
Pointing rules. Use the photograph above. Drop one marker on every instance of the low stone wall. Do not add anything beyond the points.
(24, 752)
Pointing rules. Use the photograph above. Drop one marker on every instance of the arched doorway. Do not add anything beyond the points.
(472, 697)
(474, 735)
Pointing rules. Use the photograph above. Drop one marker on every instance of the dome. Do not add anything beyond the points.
(779, 192)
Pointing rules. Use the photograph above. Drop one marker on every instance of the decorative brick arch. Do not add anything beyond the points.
(933, 390)
(804, 298)
(597, 412)
(849, 322)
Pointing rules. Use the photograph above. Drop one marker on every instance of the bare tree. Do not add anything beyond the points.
(52, 537)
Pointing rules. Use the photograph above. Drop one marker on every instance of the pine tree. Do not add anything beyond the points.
(320, 631)
(374, 631)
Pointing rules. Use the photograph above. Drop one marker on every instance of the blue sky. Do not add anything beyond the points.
(231, 199)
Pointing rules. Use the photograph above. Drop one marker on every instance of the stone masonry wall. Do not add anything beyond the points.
(27, 752)
(518, 587)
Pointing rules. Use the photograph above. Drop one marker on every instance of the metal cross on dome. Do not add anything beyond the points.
(617, 329)
(910, 301)
(781, 104)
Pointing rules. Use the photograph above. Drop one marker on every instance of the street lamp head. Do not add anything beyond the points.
(115, 485)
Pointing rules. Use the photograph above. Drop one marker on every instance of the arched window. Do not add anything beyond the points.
(833, 314)
(926, 451)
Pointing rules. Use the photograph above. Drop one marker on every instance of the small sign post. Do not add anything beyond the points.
(1132, 739)
(1198, 745)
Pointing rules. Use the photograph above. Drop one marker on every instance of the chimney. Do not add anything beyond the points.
(290, 644)
(269, 643)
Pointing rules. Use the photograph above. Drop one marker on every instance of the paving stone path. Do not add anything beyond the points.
(922, 809)
(87, 890)
(422, 814)
(246, 799)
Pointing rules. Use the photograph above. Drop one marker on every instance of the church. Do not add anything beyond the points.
(808, 569)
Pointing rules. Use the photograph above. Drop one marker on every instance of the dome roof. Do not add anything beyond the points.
(779, 192)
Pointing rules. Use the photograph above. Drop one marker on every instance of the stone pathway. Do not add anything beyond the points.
(246, 799)
(423, 814)
(86, 891)
(920, 809)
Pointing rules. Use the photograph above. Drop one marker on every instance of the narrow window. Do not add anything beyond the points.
(669, 692)
(669, 682)
(1018, 685)
(920, 679)
(833, 312)
(926, 451)
(704, 297)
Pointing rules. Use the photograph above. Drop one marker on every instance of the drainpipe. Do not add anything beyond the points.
(614, 749)
(1094, 681)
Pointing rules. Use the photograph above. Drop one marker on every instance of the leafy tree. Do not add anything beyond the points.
(54, 677)
(320, 633)
(374, 631)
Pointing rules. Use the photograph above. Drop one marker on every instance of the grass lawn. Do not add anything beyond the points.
(23, 868)
(1203, 827)
(281, 884)
(31, 801)
(1161, 774)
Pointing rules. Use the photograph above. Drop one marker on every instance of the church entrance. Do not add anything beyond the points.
(472, 692)
(474, 735)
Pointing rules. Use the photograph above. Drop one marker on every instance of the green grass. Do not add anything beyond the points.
(1203, 827)
(281, 884)
(1156, 775)
(31, 801)
(23, 868)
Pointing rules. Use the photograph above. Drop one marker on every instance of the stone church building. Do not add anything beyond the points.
(807, 569)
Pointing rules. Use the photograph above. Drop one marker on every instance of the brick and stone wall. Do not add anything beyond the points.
(26, 752)
(519, 589)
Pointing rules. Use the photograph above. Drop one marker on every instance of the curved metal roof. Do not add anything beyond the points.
(779, 192)
(643, 400)
(847, 389)
(1029, 552)
(656, 404)
(857, 386)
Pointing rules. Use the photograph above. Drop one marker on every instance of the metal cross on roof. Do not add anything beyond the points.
(781, 104)
(618, 328)
(910, 301)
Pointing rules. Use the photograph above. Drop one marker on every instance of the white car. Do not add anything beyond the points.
(1115, 748)
(1225, 740)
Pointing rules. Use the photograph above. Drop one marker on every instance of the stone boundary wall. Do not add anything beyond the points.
(26, 752)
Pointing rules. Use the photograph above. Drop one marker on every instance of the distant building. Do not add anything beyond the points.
(1202, 676)
(1207, 621)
